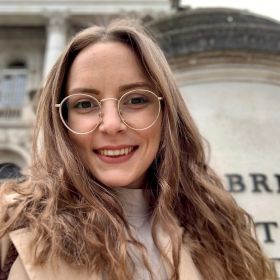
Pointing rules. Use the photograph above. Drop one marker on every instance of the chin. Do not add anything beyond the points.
(120, 178)
(121, 182)
(115, 184)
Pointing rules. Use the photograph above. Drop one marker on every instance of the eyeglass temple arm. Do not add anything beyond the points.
(57, 105)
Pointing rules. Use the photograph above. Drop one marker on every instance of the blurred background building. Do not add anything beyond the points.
(227, 64)
(32, 35)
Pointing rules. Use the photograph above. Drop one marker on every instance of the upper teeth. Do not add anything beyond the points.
(119, 152)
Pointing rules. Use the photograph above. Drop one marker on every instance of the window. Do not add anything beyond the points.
(13, 90)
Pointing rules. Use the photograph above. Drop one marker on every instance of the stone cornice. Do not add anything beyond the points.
(20, 7)
(230, 72)
(216, 30)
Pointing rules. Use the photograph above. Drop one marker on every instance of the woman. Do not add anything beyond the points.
(119, 185)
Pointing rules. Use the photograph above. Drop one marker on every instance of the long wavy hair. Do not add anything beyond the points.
(77, 219)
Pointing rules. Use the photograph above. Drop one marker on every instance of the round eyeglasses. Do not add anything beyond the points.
(138, 109)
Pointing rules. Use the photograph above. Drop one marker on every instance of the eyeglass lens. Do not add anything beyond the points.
(138, 109)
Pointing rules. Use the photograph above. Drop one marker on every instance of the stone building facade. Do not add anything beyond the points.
(227, 64)
(32, 34)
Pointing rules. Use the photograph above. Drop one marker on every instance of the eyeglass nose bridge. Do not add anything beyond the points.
(109, 98)
(106, 99)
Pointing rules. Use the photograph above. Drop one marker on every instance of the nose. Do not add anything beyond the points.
(111, 122)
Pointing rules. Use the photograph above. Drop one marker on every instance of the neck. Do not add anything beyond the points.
(133, 201)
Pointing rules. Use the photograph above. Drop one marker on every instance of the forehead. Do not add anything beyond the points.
(105, 49)
(107, 55)
(106, 65)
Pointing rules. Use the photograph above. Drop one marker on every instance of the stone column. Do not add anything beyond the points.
(56, 40)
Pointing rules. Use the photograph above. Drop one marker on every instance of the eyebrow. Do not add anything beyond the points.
(122, 88)
(135, 85)
(83, 90)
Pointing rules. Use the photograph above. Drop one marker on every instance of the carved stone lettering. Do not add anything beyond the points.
(278, 181)
(260, 183)
(235, 183)
(267, 226)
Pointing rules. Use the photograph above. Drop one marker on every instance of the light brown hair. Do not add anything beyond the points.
(76, 218)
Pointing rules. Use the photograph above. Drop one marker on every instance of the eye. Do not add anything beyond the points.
(136, 100)
(84, 104)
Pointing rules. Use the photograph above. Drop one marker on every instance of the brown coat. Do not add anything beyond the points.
(23, 269)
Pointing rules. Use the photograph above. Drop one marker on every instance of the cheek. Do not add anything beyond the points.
(158, 130)
(153, 136)
(158, 136)
(81, 144)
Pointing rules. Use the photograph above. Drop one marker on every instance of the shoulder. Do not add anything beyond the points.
(187, 266)
(5, 214)
(10, 262)
(59, 270)
(18, 271)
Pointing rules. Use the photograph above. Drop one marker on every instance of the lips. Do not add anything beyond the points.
(115, 154)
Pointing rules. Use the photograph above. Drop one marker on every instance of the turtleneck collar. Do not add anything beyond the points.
(134, 202)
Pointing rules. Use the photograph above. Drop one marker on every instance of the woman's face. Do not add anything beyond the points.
(117, 155)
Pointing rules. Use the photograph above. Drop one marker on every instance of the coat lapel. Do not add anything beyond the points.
(187, 268)
(21, 239)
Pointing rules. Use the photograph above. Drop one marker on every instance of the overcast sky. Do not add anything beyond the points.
(270, 8)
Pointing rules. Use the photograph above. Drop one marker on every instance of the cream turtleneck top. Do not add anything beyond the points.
(137, 213)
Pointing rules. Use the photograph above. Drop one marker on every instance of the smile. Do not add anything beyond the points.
(115, 153)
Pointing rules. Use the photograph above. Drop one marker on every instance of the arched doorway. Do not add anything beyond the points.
(9, 171)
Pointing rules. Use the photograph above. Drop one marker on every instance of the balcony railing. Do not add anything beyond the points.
(10, 114)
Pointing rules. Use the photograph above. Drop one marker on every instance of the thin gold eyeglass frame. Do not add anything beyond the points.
(59, 105)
